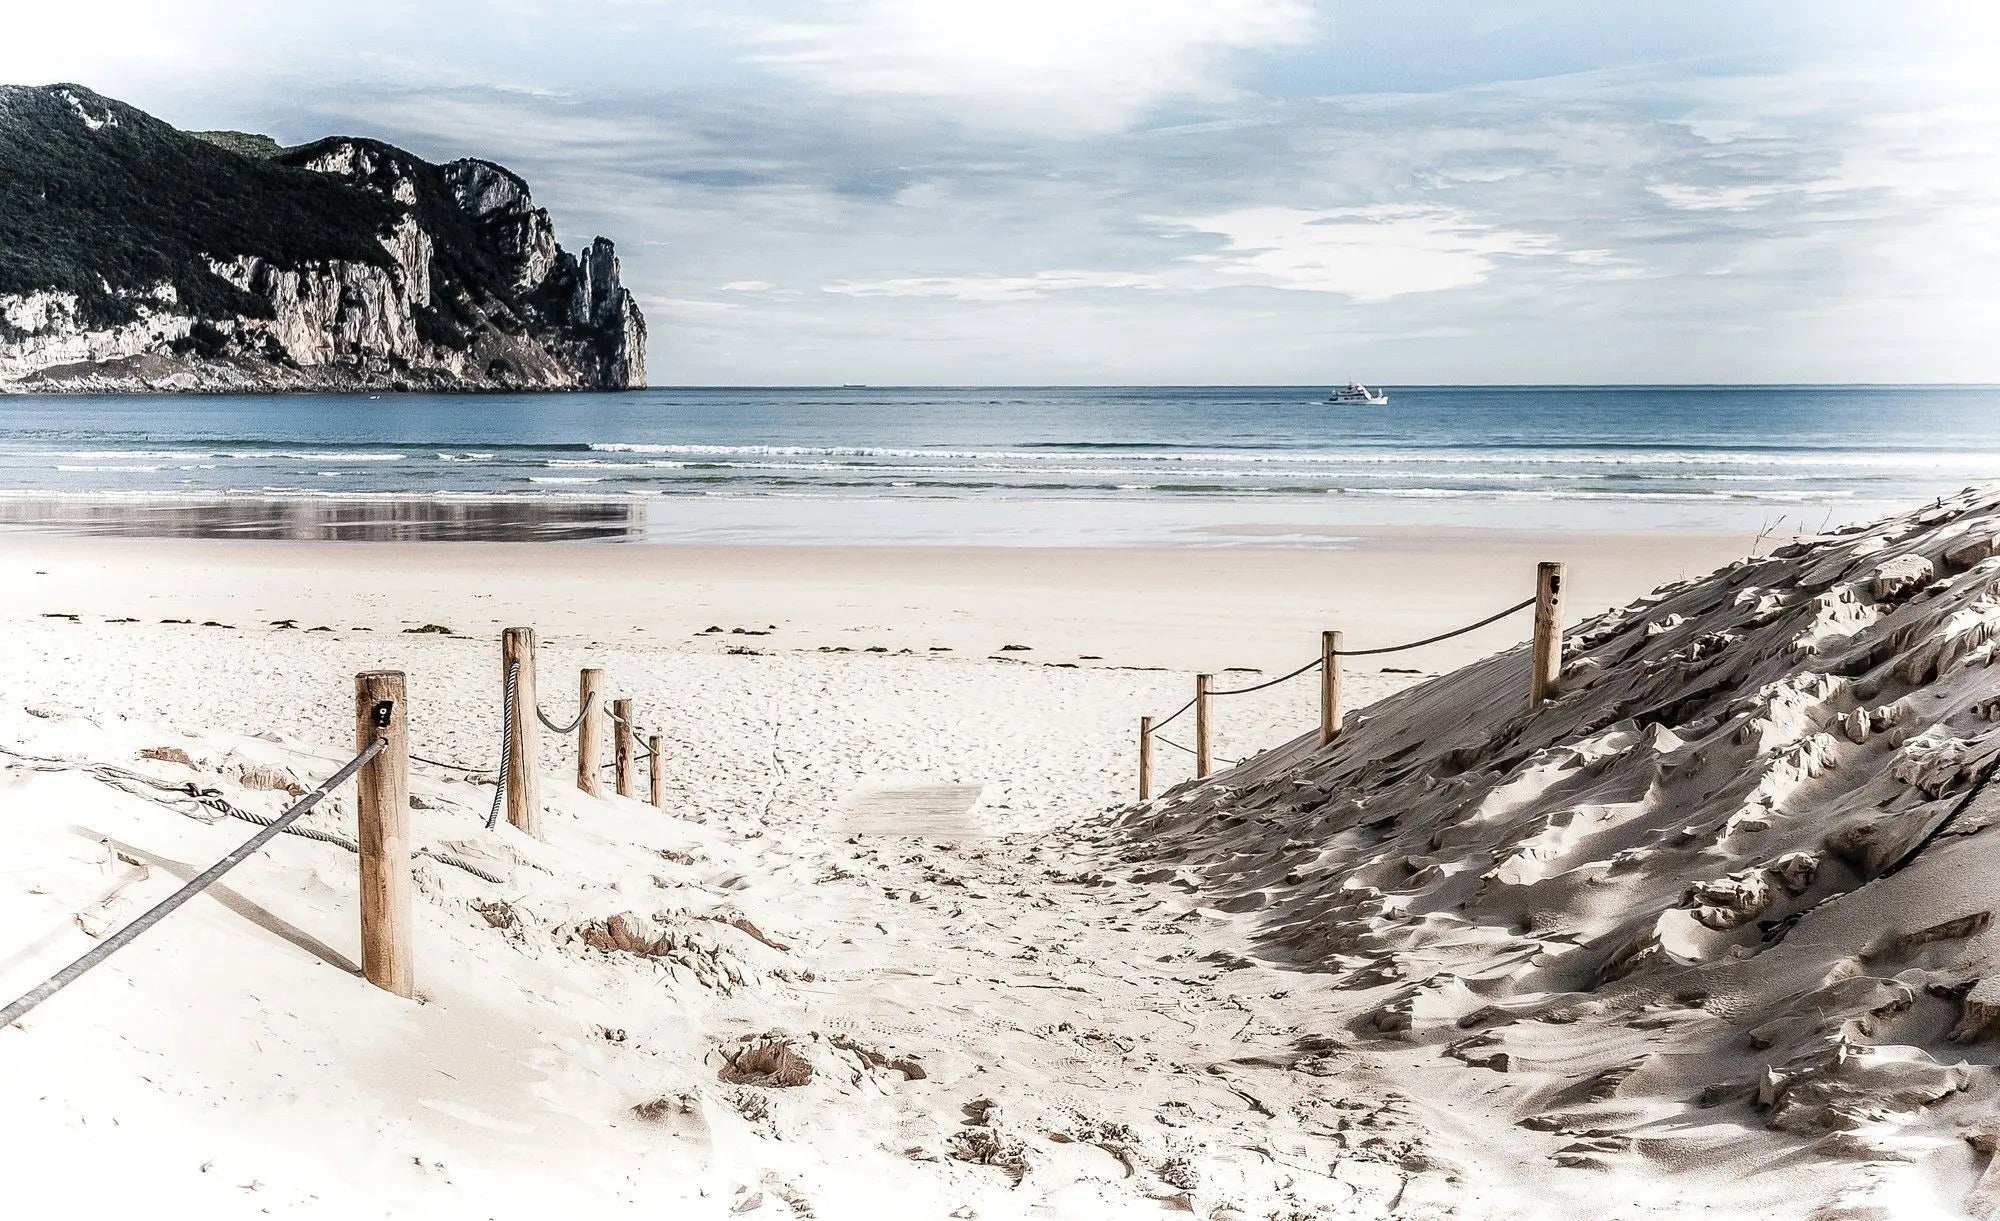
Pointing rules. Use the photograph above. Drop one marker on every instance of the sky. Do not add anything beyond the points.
(1176, 191)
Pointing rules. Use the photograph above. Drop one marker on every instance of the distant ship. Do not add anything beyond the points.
(1357, 394)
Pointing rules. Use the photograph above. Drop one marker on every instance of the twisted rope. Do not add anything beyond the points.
(23, 1004)
(1285, 678)
(506, 744)
(1159, 725)
(1417, 644)
(570, 728)
(1316, 662)
(448, 765)
(1185, 750)
(186, 797)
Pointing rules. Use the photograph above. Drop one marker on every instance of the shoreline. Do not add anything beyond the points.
(1177, 608)
(1186, 524)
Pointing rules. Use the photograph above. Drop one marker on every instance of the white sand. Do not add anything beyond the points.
(1094, 1038)
(1576, 921)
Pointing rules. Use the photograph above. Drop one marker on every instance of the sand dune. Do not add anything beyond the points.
(1721, 910)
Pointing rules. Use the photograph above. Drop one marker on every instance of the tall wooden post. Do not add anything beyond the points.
(1329, 686)
(1145, 758)
(1545, 673)
(590, 687)
(524, 784)
(621, 746)
(1200, 725)
(659, 787)
(383, 785)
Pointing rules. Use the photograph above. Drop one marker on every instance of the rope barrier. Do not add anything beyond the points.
(448, 765)
(1417, 644)
(506, 744)
(1186, 750)
(1311, 665)
(1317, 662)
(195, 885)
(191, 797)
(1159, 725)
(570, 728)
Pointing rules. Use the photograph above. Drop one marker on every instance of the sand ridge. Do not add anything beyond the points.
(1702, 912)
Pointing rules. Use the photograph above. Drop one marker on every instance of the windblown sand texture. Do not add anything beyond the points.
(1710, 911)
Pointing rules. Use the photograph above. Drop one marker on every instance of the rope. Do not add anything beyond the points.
(1315, 663)
(1311, 665)
(1159, 725)
(1417, 644)
(127, 781)
(581, 713)
(506, 744)
(448, 765)
(195, 885)
(1179, 747)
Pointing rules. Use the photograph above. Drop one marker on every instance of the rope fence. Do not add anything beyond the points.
(1544, 677)
(380, 770)
(21, 1006)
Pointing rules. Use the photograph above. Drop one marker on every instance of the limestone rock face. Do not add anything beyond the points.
(342, 264)
(520, 231)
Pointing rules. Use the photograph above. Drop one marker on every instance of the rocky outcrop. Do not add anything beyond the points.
(343, 264)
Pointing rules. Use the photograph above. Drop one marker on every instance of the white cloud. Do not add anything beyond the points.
(747, 286)
(994, 288)
(1368, 254)
(1710, 199)
(1077, 66)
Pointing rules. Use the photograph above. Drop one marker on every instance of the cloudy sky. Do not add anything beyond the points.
(1132, 191)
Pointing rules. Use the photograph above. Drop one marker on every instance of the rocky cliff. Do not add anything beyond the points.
(134, 256)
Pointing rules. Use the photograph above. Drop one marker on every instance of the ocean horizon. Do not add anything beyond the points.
(1053, 465)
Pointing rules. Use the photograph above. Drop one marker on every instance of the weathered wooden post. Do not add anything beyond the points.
(1200, 725)
(1545, 674)
(383, 787)
(658, 782)
(621, 746)
(590, 686)
(524, 785)
(1329, 686)
(1145, 758)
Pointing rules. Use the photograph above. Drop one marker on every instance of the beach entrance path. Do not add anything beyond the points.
(914, 807)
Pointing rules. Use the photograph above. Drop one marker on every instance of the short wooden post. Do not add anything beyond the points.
(621, 745)
(1329, 686)
(590, 687)
(1545, 675)
(658, 782)
(524, 787)
(1145, 758)
(1200, 725)
(383, 786)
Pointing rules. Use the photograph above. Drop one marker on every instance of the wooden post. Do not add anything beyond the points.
(1200, 725)
(621, 746)
(1545, 674)
(1329, 686)
(524, 785)
(658, 782)
(590, 687)
(383, 785)
(1145, 758)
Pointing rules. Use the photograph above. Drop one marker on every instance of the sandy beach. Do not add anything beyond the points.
(1028, 992)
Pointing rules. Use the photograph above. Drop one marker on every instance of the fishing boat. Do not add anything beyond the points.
(1358, 395)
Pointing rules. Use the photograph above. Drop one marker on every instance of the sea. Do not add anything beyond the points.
(1054, 466)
